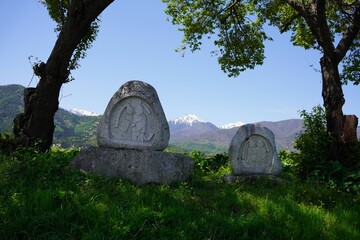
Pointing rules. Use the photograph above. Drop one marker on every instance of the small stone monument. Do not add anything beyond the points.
(253, 152)
(131, 136)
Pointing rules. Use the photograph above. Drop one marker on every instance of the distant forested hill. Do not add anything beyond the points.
(10, 104)
(71, 129)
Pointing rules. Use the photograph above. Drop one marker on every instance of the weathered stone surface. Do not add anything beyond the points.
(134, 119)
(253, 151)
(138, 166)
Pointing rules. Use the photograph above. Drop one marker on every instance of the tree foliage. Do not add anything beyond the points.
(237, 28)
(238, 36)
(58, 11)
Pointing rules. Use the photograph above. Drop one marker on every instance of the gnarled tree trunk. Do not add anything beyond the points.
(333, 96)
(340, 126)
(36, 124)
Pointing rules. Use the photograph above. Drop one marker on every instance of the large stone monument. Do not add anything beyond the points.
(134, 119)
(132, 133)
(252, 151)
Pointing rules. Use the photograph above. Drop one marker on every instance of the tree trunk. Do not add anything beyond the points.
(39, 128)
(338, 125)
(36, 124)
(350, 127)
(333, 96)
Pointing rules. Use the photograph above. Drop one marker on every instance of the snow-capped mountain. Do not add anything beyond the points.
(232, 125)
(81, 112)
(188, 119)
(189, 125)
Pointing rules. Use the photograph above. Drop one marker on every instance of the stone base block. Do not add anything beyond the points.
(138, 166)
(233, 178)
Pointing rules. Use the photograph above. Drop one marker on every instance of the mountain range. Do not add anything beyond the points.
(189, 132)
(78, 127)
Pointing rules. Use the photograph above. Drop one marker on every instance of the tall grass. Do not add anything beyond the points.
(41, 198)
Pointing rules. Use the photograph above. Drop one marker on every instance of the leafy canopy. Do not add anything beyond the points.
(58, 11)
(237, 28)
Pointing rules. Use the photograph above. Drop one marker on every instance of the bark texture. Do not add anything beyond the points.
(333, 96)
(350, 126)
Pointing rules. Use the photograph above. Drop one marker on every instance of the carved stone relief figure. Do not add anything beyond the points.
(256, 152)
(139, 129)
(130, 121)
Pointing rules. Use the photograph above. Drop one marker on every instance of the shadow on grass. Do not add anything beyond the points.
(41, 198)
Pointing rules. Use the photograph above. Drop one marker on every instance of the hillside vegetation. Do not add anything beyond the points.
(75, 131)
(10, 105)
(71, 130)
(42, 198)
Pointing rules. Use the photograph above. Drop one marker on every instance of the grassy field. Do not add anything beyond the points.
(41, 198)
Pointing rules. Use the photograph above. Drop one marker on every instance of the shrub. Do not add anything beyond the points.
(209, 163)
(311, 160)
(313, 144)
(10, 143)
(218, 160)
(288, 162)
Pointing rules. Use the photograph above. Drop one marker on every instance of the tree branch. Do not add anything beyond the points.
(231, 6)
(341, 6)
(341, 2)
(325, 40)
(286, 26)
(79, 18)
(308, 13)
(298, 7)
(349, 36)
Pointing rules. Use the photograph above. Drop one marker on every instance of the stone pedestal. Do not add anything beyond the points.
(138, 166)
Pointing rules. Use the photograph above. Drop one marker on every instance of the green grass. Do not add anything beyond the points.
(41, 198)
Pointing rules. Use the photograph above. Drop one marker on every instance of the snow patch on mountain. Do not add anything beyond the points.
(81, 112)
(232, 125)
(188, 119)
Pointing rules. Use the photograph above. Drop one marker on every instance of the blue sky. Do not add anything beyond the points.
(136, 42)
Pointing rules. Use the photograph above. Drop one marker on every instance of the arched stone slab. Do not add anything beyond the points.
(253, 151)
(134, 119)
